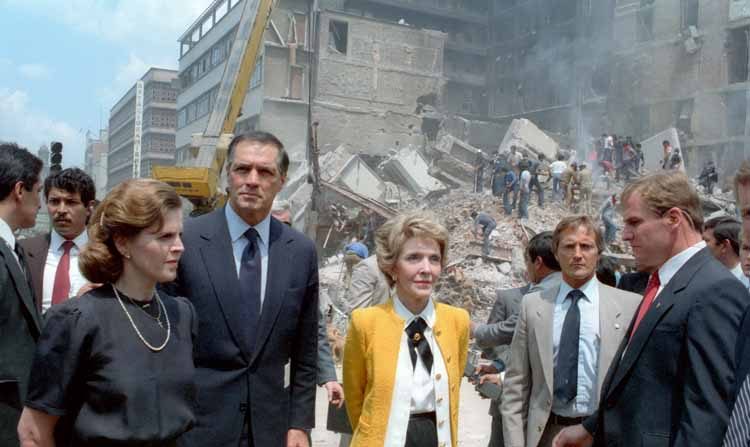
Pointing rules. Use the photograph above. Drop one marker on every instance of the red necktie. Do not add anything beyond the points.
(61, 289)
(648, 300)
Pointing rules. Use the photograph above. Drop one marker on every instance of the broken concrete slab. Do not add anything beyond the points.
(527, 137)
(653, 152)
(411, 170)
(458, 149)
(360, 178)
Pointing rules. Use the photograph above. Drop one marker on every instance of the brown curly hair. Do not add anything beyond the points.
(128, 209)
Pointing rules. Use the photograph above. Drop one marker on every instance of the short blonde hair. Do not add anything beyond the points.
(663, 191)
(391, 236)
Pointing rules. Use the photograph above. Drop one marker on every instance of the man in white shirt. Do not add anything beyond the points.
(722, 236)
(525, 182)
(53, 257)
(556, 169)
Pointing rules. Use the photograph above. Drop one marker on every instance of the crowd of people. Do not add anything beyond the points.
(128, 325)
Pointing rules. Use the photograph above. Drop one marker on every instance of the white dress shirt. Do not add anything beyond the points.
(586, 399)
(415, 389)
(675, 263)
(55, 252)
(237, 227)
(6, 233)
(739, 274)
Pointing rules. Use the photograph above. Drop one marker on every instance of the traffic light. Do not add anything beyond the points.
(55, 157)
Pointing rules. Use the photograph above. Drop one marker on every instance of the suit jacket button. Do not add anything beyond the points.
(440, 424)
(539, 428)
(438, 376)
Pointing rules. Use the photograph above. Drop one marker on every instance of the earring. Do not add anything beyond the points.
(126, 256)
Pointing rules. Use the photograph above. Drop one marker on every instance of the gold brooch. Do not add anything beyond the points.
(417, 336)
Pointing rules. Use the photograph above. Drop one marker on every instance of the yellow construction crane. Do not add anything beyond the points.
(199, 179)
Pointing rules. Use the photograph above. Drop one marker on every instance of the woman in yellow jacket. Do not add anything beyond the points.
(403, 360)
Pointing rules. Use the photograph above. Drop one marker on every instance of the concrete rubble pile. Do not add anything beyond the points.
(438, 179)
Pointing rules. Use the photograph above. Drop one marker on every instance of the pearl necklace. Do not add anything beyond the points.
(138, 332)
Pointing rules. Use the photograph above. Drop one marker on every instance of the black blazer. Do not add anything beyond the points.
(231, 378)
(672, 384)
(20, 326)
(36, 249)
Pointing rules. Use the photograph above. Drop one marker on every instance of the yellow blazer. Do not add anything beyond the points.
(370, 360)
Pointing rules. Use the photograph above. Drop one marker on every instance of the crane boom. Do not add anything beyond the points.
(199, 179)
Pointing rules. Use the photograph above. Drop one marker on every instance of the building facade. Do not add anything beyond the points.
(142, 127)
(278, 95)
(684, 64)
(96, 161)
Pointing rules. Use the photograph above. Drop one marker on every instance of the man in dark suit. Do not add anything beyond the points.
(543, 272)
(254, 284)
(635, 282)
(53, 256)
(20, 323)
(674, 371)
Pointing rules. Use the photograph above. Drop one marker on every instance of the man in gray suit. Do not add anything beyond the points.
(565, 339)
(368, 286)
(20, 322)
(543, 272)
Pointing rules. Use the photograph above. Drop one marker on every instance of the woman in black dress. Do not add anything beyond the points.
(115, 366)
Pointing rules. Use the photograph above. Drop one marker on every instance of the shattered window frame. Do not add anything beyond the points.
(338, 36)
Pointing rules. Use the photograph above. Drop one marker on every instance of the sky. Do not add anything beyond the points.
(64, 64)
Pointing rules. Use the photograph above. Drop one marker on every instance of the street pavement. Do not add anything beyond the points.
(473, 420)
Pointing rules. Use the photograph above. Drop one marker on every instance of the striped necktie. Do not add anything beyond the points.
(738, 432)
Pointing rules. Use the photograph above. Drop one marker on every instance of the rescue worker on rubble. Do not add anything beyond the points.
(498, 173)
(566, 180)
(354, 253)
(585, 186)
(607, 214)
(486, 223)
(708, 177)
(509, 185)
(524, 186)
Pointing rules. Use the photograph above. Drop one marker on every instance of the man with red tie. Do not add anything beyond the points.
(53, 257)
(671, 377)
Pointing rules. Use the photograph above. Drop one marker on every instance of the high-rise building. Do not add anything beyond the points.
(142, 127)
(96, 161)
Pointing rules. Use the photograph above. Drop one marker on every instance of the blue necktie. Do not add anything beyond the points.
(566, 370)
(250, 277)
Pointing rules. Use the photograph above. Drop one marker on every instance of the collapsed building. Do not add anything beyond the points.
(386, 105)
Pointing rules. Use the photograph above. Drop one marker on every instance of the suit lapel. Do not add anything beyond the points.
(276, 283)
(219, 261)
(659, 308)
(545, 315)
(611, 328)
(21, 283)
(36, 252)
